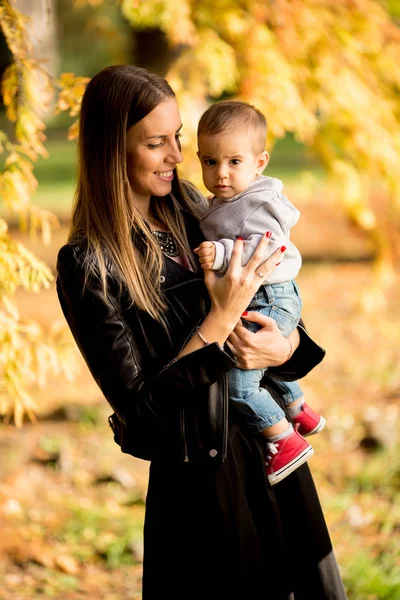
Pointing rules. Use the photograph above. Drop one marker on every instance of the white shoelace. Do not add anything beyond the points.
(273, 449)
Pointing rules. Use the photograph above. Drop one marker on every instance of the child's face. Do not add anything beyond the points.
(229, 163)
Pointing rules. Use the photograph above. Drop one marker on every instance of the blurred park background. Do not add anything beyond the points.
(326, 75)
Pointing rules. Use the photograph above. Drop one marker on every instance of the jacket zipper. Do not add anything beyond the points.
(191, 334)
(224, 408)
(183, 426)
(225, 417)
(183, 432)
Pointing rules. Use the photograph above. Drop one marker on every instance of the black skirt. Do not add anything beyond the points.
(221, 531)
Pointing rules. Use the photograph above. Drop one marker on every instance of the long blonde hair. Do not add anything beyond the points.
(104, 214)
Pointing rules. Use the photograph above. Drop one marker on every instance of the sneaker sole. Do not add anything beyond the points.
(316, 429)
(295, 464)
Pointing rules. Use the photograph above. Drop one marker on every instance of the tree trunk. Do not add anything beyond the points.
(151, 50)
(42, 30)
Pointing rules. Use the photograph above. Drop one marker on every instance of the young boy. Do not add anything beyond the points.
(246, 204)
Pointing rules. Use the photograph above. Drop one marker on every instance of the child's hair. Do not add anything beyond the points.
(231, 115)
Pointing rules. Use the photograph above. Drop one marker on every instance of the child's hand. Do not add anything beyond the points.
(206, 254)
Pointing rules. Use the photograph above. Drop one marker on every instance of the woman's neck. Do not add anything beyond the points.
(144, 207)
(154, 223)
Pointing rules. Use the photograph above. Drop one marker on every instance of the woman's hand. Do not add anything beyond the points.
(231, 294)
(265, 348)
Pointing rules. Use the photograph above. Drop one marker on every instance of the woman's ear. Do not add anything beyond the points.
(262, 161)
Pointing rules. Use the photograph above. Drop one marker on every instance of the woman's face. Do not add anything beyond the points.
(153, 151)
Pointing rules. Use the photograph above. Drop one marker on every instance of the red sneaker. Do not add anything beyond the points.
(308, 422)
(286, 455)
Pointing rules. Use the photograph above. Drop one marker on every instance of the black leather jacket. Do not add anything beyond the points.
(177, 407)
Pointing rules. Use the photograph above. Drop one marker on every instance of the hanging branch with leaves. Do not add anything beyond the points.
(28, 355)
(325, 71)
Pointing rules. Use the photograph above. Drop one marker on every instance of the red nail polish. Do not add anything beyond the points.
(269, 234)
(245, 313)
(278, 263)
(283, 248)
(239, 238)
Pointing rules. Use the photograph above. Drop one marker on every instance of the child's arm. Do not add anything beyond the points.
(206, 254)
(215, 255)
(278, 215)
(273, 214)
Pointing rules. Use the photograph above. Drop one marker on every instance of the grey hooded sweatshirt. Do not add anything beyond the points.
(249, 215)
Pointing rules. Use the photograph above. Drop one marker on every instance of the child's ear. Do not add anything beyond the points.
(262, 161)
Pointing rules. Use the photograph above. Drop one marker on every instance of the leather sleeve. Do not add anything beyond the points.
(307, 356)
(201, 367)
(113, 356)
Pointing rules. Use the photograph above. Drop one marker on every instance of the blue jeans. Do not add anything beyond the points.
(281, 302)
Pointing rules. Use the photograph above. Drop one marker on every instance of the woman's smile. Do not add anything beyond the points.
(166, 175)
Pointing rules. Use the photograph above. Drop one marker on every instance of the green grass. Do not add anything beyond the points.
(94, 532)
(56, 176)
(372, 577)
(60, 165)
(363, 516)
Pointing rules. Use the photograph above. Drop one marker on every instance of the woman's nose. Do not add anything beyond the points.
(175, 154)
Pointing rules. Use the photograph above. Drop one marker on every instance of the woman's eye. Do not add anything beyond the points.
(153, 146)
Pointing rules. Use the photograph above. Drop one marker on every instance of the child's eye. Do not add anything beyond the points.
(235, 161)
(209, 162)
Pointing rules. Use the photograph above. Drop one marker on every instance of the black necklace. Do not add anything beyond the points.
(166, 242)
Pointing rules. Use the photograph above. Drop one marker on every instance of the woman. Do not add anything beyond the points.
(154, 332)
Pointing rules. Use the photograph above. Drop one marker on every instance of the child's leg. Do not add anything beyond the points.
(291, 394)
(256, 406)
(307, 420)
(286, 448)
(286, 452)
